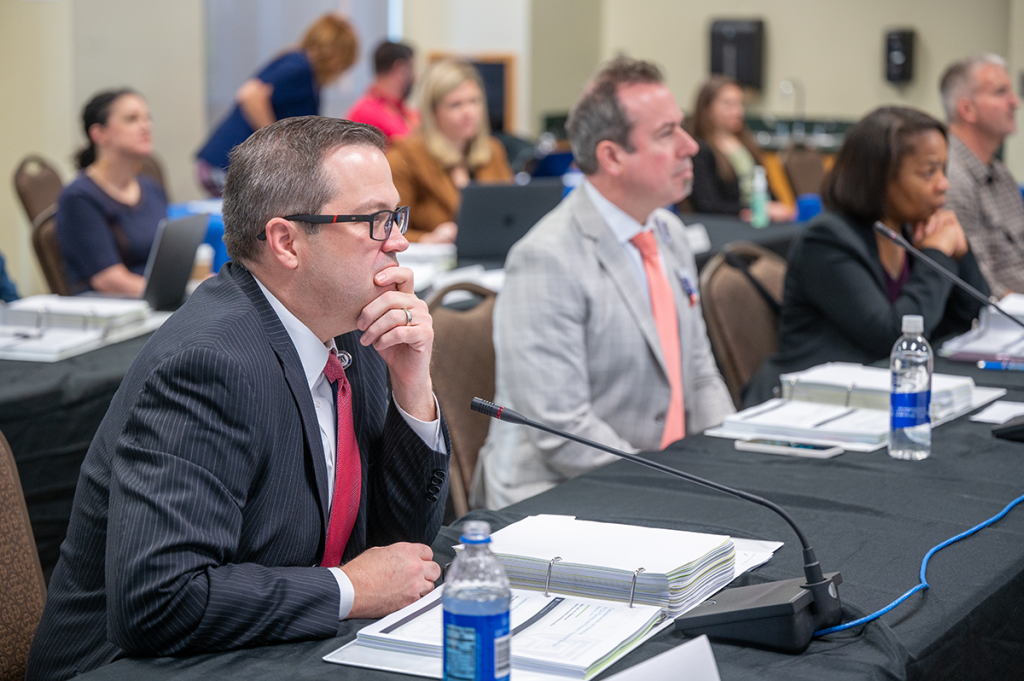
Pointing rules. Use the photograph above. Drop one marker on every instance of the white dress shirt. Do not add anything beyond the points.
(625, 227)
(313, 356)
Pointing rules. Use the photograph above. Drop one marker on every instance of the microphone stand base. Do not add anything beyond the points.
(779, 616)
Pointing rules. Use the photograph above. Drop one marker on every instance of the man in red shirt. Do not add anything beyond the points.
(383, 104)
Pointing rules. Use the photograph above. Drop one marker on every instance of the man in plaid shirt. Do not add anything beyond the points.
(980, 105)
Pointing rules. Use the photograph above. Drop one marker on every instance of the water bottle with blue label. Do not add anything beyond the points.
(910, 433)
(476, 599)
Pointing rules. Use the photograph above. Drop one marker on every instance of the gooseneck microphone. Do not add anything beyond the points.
(780, 616)
(900, 241)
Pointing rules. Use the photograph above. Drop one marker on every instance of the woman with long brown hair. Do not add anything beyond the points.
(723, 169)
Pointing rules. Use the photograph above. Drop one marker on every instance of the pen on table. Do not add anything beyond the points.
(1001, 366)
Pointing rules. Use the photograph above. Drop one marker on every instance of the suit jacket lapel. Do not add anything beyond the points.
(294, 376)
(613, 259)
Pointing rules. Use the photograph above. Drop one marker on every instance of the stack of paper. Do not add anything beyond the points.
(81, 312)
(563, 635)
(856, 385)
(847, 405)
(46, 345)
(996, 338)
(50, 328)
(810, 422)
(601, 560)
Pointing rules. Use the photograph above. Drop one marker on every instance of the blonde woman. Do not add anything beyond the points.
(288, 86)
(453, 147)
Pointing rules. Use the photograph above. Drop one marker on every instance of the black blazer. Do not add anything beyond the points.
(201, 509)
(712, 194)
(835, 307)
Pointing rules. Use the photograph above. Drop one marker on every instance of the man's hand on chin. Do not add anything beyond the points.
(399, 327)
(388, 578)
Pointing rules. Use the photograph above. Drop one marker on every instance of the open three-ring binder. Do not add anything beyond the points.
(671, 569)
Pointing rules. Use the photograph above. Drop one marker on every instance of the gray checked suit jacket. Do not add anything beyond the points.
(577, 349)
(201, 508)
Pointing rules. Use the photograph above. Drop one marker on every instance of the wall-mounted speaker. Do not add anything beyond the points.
(899, 56)
(737, 51)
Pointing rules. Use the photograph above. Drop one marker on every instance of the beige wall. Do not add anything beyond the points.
(565, 47)
(473, 27)
(35, 86)
(834, 46)
(157, 48)
(56, 54)
(1014, 151)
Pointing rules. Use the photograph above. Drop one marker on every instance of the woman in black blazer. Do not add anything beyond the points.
(847, 288)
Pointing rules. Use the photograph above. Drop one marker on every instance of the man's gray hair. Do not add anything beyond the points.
(958, 80)
(280, 171)
(598, 114)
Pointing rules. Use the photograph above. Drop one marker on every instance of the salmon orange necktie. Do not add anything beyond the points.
(663, 307)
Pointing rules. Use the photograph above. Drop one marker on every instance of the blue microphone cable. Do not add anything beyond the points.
(923, 584)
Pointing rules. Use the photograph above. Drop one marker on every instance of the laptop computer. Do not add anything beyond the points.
(495, 216)
(170, 261)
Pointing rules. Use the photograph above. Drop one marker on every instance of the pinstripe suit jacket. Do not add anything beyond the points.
(576, 348)
(202, 502)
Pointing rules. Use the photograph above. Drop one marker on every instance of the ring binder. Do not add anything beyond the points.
(632, 590)
(547, 582)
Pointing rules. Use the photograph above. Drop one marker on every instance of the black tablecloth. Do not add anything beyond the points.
(49, 413)
(867, 515)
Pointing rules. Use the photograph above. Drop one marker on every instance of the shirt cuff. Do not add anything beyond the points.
(348, 594)
(429, 431)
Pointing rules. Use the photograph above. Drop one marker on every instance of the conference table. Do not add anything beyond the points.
(869, 516)
(49, 413)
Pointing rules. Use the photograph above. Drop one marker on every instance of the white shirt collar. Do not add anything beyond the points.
(312, 353)
(623, 225)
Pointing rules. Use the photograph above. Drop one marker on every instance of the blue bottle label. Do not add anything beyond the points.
(911, 409)
(476, 647)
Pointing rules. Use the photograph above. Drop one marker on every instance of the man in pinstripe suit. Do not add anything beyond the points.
(576, 342)
(201, 516)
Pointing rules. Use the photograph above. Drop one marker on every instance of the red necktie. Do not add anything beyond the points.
(663, 308)
(347, 469)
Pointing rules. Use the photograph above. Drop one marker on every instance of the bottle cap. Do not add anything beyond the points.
(913, 323)
(760, 179)
(476, 532)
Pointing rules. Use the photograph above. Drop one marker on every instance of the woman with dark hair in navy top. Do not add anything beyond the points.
(288, 86)
(107, 217)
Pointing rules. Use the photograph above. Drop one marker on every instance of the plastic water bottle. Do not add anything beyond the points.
(759, 199)
(476, 600)
(910, 433)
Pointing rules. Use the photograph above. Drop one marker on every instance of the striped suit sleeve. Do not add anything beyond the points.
(186, 458)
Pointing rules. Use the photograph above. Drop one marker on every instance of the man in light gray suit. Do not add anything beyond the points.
(576, 342)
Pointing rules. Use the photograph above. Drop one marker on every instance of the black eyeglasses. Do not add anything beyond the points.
(381, 222)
